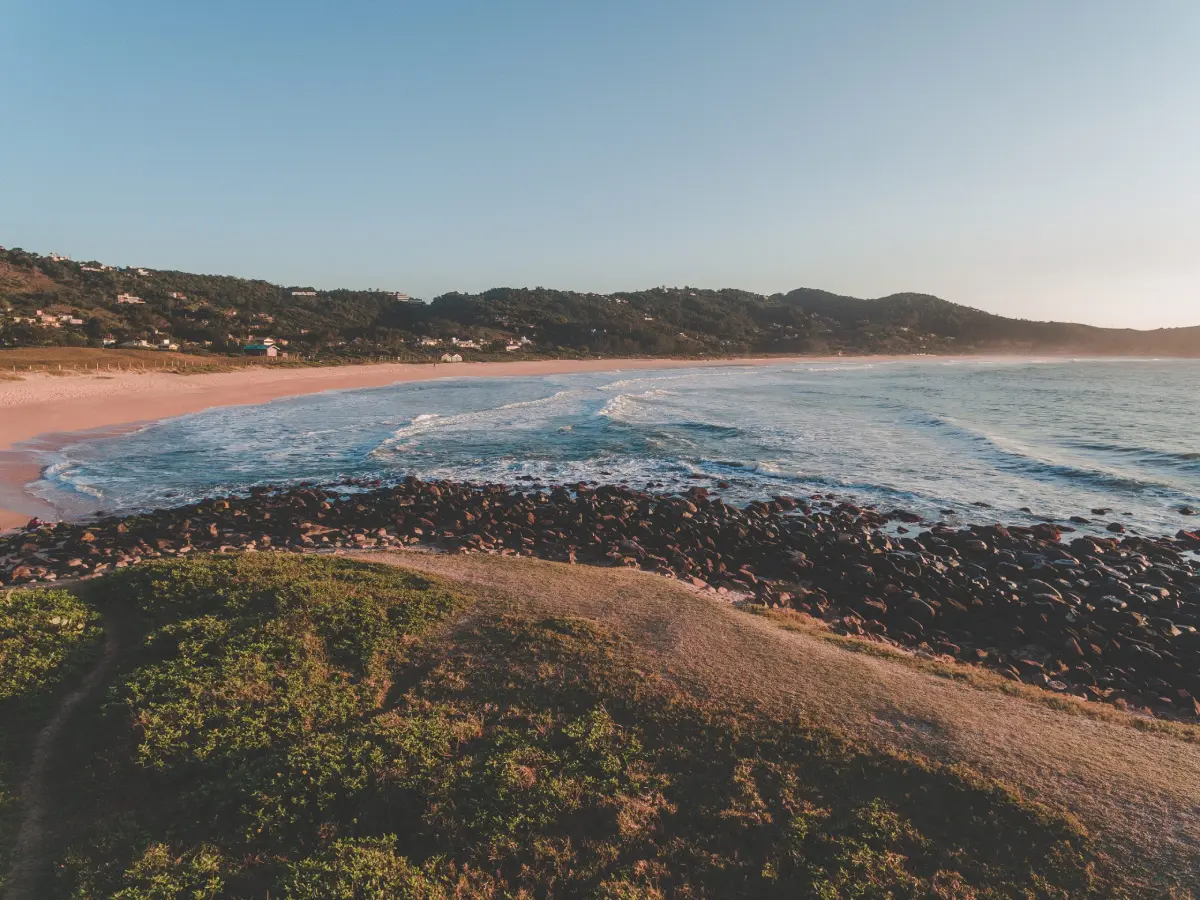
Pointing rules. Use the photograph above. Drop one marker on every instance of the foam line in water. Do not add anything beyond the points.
(1059, 438)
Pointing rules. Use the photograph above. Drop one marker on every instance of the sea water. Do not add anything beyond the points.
(1007, 440)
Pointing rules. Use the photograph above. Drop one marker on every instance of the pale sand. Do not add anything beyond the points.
(42, 412)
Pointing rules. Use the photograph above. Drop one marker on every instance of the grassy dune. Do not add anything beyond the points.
(290, 726)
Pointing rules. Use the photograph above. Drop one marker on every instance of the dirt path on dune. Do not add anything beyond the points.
(27, 862)
(1138, 792)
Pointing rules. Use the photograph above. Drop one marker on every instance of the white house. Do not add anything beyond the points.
(129, 298)
(137, 345)
(451, 357)
(429, 342)
(511, 347)
(304, 293)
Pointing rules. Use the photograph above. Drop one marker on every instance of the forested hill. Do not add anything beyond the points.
(57, 301)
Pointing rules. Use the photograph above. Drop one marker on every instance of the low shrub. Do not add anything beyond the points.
(313, 727)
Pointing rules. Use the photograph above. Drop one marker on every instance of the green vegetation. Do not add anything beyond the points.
(41, 631)
(310, 727)
(219, 314)
(46, 638)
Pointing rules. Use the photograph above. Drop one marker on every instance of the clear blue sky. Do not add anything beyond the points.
(1038, 158)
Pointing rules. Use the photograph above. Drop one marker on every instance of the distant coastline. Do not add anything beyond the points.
(42, 412)
(57, 303)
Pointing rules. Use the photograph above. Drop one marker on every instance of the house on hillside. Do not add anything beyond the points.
(129, 298)
(429, 342)
(451, 357)
(261, 349)
(136, 345)
(304, 293)
(511, 347)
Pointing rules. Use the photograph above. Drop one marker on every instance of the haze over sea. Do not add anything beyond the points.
(983, 438)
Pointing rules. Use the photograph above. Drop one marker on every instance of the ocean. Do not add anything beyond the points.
(995, 440)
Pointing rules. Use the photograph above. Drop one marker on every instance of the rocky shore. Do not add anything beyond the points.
(1110, 619)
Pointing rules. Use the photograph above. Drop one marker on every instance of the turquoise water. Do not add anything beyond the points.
(980, 438)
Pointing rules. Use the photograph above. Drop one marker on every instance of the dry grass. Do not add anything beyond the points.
(73, 360)
(1137, 791)
(25, 281)
(77, 359)
(976, 676)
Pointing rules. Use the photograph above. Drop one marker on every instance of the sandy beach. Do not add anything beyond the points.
(41, 412)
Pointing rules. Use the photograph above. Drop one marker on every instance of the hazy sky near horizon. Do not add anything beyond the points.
(1037, 158)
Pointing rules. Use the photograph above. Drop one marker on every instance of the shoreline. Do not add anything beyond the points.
(965, 592)
(42, 413)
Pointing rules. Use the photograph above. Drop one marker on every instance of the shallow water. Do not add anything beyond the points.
(982, 438)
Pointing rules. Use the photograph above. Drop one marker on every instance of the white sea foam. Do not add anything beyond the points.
(630, 382)
(624, 406)
(521, 414)
(1058, 438)
(557, 397)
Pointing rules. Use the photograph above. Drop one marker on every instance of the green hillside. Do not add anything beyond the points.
(53, 301)
(292, 727)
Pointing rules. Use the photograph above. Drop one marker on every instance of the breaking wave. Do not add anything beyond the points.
(981, 440)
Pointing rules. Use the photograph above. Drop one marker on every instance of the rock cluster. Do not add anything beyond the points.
(1108, 619)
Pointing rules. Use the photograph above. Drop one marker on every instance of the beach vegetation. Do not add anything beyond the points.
(47, 638)
(309, 726)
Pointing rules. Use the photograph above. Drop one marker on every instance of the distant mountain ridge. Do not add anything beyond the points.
(57, 301)
(965, 323)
